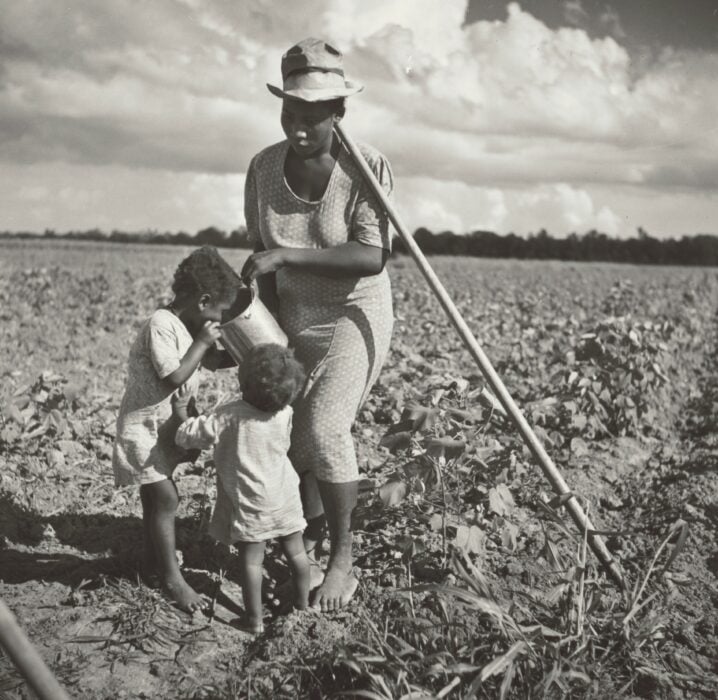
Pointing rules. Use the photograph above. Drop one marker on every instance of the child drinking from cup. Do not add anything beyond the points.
(257, 486)
(164, 357)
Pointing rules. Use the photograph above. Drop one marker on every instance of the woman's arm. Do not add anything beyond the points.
(351, 259)
(266, 281)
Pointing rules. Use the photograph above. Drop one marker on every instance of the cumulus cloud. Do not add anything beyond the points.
(109, 197)
(513, 112)
(574, 13)
(570, 209)
(610, 21)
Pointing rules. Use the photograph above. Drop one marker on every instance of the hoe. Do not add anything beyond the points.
(537, 450)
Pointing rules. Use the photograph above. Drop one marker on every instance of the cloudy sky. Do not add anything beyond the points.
(511, 116)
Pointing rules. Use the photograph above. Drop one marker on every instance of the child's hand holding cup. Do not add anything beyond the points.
(209, 333)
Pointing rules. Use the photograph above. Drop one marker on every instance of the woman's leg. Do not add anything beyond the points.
(339, 583)
(322, 441)
(163, 500)
(251, 557)
(293, 548)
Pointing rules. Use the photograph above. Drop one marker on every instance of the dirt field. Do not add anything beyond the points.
(474, 582)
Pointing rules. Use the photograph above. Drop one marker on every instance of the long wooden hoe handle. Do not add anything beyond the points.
(548, 467)
(24, 655)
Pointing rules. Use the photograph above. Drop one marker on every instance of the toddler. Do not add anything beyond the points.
(257, 486)
(164, 357)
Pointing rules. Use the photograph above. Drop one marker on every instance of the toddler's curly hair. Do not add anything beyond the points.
(270, 377)
(205, 271)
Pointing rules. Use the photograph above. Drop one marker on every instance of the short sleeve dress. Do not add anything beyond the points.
(144, 450)
(340, 328)
(257, 487)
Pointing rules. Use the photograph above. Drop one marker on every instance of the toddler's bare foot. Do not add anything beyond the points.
(183, 595)
(337, 589)
(284, 597)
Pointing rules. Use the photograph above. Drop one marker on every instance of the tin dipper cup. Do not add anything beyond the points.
(253, 325)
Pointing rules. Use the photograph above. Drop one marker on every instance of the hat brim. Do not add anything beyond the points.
(317, 94)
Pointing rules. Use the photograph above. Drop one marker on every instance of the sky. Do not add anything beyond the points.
(566, 115)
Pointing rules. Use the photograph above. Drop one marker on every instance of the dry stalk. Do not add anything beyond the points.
(580, 612)
(635, 607)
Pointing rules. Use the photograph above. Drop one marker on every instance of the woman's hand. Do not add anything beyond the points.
(262, 263)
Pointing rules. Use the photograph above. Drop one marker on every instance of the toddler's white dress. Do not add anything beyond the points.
(257, 486)
(144, 450)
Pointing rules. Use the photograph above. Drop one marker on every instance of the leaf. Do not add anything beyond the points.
(680, 543)
(501, 663)
(419, 417)
(578, 421)
(463, 416)
(393, 492)
(490, 401)
(445, 447)
(366, 485)
(462, 668)
(396, 441)
(508, 536)
(72, 392)
(13, 412)
(560, 499)
(436, 521)
(37, 432)
(410, 547)
(9, 434)
(22, 400)
(550, 553)
(500, 500)
(579, 447)
(470, 539)
(542, 631)
(57, 420)
(55, 459)
(27, 413)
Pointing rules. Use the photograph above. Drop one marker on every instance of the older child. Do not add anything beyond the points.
(257, 486)
(164, 357)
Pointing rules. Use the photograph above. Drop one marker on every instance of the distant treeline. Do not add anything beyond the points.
(701, 249)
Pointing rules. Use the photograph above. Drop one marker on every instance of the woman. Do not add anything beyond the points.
(321, 243)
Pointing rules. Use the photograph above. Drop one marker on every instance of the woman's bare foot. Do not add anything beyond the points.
(247, 623)
(336, 590)
(183, 595)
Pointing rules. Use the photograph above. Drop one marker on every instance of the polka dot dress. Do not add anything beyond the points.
(340, 328)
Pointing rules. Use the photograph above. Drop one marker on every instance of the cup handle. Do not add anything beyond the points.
(253, 294)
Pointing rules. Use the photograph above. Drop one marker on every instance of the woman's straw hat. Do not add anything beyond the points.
(313, 71)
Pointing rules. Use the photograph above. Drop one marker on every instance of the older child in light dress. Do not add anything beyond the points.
(164, 357)
(257, 486)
